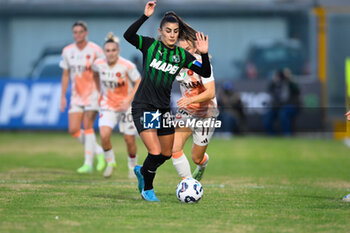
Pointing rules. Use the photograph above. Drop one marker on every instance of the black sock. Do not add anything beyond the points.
(161, 159)
(149, 168)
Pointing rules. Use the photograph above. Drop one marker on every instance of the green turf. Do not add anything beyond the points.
(252, 184)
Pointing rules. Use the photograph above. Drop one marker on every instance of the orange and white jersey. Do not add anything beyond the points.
(192, 84)
(117, 82)
(79, 63)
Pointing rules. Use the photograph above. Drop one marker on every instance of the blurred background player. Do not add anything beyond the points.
(76, 62)
(162, 61)
(346, 198)
(198, 101)
(117, 79)
(285, 102)
(232, 113)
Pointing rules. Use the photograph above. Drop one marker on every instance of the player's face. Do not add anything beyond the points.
(111, 51)
(169, 34)
(79, 34)
(188, 46)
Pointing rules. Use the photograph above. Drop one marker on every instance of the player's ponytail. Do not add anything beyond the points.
(186, 31)
(111, 38)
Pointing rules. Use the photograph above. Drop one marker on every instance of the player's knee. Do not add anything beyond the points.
(197, 160)
(129, 140)
(176, 148)
(75, 132)
(167, 153)
(104, 138)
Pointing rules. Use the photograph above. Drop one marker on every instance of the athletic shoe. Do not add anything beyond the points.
(109, 170)
(101, 162)
(198, 173)
(346, 198)
(84, 169)
(149, 195)
(137, 170)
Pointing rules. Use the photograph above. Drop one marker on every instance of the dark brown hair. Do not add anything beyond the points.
(80, 23)
(186, 32)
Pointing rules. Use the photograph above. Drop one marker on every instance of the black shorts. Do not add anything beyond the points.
(165, 126)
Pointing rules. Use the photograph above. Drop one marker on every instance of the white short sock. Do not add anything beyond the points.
(80, 136)
(89, 146)
(204, 162)
(132, 162)
(98, 149)
(109, 155)
(182, 165)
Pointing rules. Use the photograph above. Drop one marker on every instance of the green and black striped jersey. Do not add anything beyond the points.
(161, 65)
(160, 68)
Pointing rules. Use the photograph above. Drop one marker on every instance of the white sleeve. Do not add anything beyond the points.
(211, 78)
(133, 73)
(95, 67)
(180, 75)
(64, 61)
(99, 53)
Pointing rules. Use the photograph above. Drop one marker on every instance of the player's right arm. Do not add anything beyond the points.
(348, 115)
(64, 64)
(206, 95)
(131, 33)
(64, 87)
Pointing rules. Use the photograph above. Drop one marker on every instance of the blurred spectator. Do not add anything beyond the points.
(231, 110)
(284, 103)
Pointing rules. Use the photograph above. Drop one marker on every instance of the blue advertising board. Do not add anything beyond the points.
(30, 105)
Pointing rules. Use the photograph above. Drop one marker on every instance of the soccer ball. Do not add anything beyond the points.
(346, 198)
(189, 191)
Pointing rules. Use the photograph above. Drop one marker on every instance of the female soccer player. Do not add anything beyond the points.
(198, 102)
(76, 62)
(162, 61)
(117, 80)
(347, 115)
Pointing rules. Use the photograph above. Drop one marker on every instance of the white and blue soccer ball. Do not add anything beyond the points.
(189, 191)
(346, 198)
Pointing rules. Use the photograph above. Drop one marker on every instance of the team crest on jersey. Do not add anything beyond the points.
(118, 75)
(190, 72)
(88, 56)
(176, 58)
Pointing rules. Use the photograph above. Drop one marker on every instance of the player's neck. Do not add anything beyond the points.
(111, 65)
(81, 45)
(167, 45)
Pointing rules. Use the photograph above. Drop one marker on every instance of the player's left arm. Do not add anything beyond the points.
(348, 115)
(97, 81)
(99, 53)
(96, 76)
(206, 95)
(136, 85)
(202, 45)
(135, 77)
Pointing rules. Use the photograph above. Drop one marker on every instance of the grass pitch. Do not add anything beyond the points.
(251, 184)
